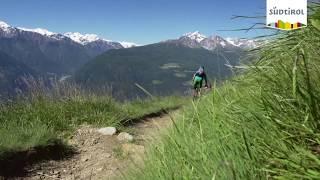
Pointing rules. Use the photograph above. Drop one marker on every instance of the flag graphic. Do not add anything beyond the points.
(286, 25)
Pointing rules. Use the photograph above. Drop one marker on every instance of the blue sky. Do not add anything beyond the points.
(139, 21)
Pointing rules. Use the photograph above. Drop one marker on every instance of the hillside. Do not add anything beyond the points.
(162, 68)
(40, 127)
(43, 54)
(46, 54)
(260, 125)
(11, 71)
(49, 52)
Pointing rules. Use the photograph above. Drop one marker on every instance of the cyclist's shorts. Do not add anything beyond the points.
(197, 82)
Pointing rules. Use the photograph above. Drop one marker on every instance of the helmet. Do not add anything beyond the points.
(201, 69)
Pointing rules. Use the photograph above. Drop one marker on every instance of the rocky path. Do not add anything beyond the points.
(102, 156)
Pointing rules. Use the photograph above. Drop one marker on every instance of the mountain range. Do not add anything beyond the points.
(162, 68)
(48, 52)
(43, 53)
(214, 42)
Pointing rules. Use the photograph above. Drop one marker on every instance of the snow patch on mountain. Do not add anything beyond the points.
(223, 44)
(84, 38)
(128, 44)
(195, 36)
(234, 41)
(41, 31)
(243, 43)
(5, 27)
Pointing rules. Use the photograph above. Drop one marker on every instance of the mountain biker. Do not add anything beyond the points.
(198, 78)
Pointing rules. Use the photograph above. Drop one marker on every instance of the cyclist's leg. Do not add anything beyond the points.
(195, 93)
(195, 90)
(200, 87)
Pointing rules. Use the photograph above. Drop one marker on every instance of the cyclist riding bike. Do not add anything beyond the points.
(198, 78)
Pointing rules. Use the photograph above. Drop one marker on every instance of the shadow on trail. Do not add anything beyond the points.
(15, 164)
(131, 122)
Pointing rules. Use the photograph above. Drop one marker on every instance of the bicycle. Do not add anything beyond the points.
(198, 91)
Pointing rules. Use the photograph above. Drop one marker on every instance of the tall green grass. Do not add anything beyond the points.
(261, 125)
(45, 115)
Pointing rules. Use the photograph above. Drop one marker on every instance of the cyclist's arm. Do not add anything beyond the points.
(194, 75)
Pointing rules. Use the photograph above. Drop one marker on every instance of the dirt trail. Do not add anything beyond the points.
(101, 156)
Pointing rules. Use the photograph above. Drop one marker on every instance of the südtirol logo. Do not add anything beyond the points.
(287, 14)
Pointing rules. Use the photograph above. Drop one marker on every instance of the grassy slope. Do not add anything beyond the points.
(38, 122)
(262, 125)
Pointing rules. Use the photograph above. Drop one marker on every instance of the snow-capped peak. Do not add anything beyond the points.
(83, 38)
(128, 44)
(41, 31)
(217, 38)
(195, 36)
(4, 25)
(234, 41)
(247, 43)
(237, 42)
